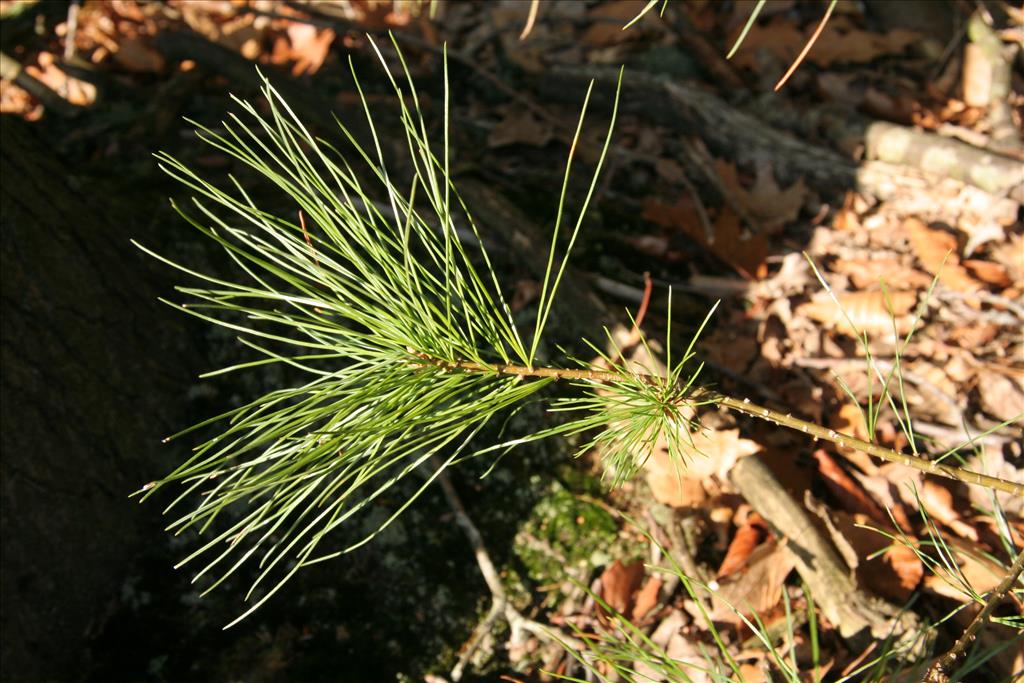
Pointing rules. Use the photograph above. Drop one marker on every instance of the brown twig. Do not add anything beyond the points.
(744, 406)
(856, 614)
(500, 605)
(11, 70)
(938, 672)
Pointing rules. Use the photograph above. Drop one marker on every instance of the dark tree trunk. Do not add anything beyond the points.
(88, 359)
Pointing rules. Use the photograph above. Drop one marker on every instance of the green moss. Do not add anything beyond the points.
(564, 534)
(577, 480)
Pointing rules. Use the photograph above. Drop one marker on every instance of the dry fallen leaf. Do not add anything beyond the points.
(860, 47)
(847, 489)
(309, 47)
(934, 248)
(884, 491)
(981, 573)
(618, 582)
(932, 393)
(1010, 255)
(1001, 397)
(841, 43)
(607, 20)
(938, 252)
(669, 486)
(747, 537)
(779, 37)
(745, 253)
(937, 500)
(520, 126)
(869, 273)
(709, 453)
(870, 311)
(988, 272)
(850, 420)
(767, 203)
(756, 589)
(646, 599)
(973, 335)
(895, 573)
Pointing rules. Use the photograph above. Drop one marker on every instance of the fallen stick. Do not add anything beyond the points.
(907, 153)
(938, 672)
(858, 616)
(500, 604)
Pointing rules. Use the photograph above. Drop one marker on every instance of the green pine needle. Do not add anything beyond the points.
(363, 300)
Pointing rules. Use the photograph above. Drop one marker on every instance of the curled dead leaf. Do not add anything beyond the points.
(974, 568)
(747, 537)
(937, 500)
(938, 251)
(711, 453)
(618, 582)
(853, 497)
(934, 248)
(646, 598)
(894, 574)
(988, 272)
(1001, 397)
(756, 589)
(874, 312)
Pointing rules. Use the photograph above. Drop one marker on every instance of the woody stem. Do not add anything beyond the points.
(746, 407)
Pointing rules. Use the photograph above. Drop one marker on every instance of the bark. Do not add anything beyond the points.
(85, 357)
(750, 141)
(1000, 176)
(858, 615)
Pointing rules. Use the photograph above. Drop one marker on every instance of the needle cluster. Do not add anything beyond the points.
(365, 283)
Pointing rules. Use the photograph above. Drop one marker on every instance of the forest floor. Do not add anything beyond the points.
(860, 227)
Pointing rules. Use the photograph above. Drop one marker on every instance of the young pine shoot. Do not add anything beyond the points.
(406, 342)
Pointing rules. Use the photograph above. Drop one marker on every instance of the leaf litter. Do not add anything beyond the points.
(962, 370)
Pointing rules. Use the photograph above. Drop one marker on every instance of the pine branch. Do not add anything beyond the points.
(938, 672)
(407, 343)
(746, 407)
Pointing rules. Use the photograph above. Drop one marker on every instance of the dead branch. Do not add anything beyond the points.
(938, 672)
(752, 140)
(500, 604)
(858, 615)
